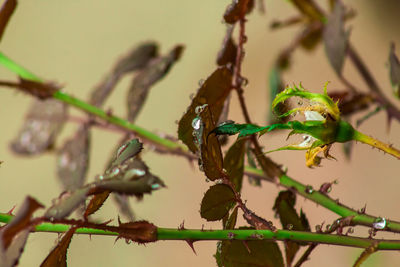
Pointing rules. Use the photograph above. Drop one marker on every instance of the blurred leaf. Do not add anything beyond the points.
(140, 231)
(152, 73)
(210, 160)
(291, 249)
(366, 253)
(227, 54)
(128, 150)
(42, 125)
(124, 206)
(236, 253)
(58, 256)
(394, 71)
(217, 202)
(251, 161)
(350, 103)
(6, 11)
(10, 257)
(223, 118)
(73, 159)
(20, 222)
(336, 38)
(237, 10)
(66, 203)
(213, 92)
(136, 59)
(311, 36)
(234, 163)
(309, 8)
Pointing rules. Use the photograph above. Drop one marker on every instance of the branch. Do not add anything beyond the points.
(196, 234)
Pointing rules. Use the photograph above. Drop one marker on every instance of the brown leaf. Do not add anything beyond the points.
(140, 231)
(227, 54)
(38, 89)
(336, 38)
(9, 257)
(73, 159)
(213, 92)
(136, 59)
(42, 125)
(67, 203)
(350, 103)
(6, 11)
(58, 256)
(20, 222)
(237, 10)
(234, 253)
(234, 163)
(216, 203)
(95, 203)
(394, 65)
(154, 71)
(210, 159)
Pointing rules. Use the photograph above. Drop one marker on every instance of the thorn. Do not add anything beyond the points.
(11, 210)
(190, 243)
(182, 225)
(246, 246)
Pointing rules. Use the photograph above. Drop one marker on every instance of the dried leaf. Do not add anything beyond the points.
(42, 125)
(234, 163)
(6, 11)
(58, 256)
(140, 231)
(38, 89)
(336, 38)
(67, 203)
(394, 64)
(213, 92)
(154, 71)
(237, 10)
(227, 54)
(73, 159)
(20, 222)
(236, 253)
(95, 203)
(136, 59)
(216, 203)
(9, 257)
(210, 159)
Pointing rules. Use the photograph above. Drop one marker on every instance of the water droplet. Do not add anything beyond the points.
(196, 123)
(231, 235)
(207, 180)
(200, 109)
(289, 226)
(380, 223)
(309, 189)
(244, 82)
(318, 228)
(155, 186)
(226, 122)
(219, 181)
(201, 82)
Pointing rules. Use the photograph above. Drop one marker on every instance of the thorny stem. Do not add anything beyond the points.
(376, 143)
(195, 234)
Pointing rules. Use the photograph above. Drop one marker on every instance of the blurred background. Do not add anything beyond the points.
(76, 42)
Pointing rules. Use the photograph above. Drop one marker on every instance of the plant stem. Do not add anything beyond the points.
(363, 138)
(195, 234)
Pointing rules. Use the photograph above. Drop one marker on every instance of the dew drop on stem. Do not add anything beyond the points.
(379, 224)
(309, 189)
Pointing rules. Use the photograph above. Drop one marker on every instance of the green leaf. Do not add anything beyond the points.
(216, 203)
(234, 163)
(394, 65)
(336, 38)
(235, 253)
(232, 128)
(213, 92)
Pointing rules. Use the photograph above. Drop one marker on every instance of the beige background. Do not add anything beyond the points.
(76, 42)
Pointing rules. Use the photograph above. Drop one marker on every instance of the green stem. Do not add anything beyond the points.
(195, 234)
(363, 138)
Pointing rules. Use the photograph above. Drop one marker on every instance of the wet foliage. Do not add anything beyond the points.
(203, 131)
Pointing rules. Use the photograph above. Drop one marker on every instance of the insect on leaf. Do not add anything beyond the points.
(43, 122)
